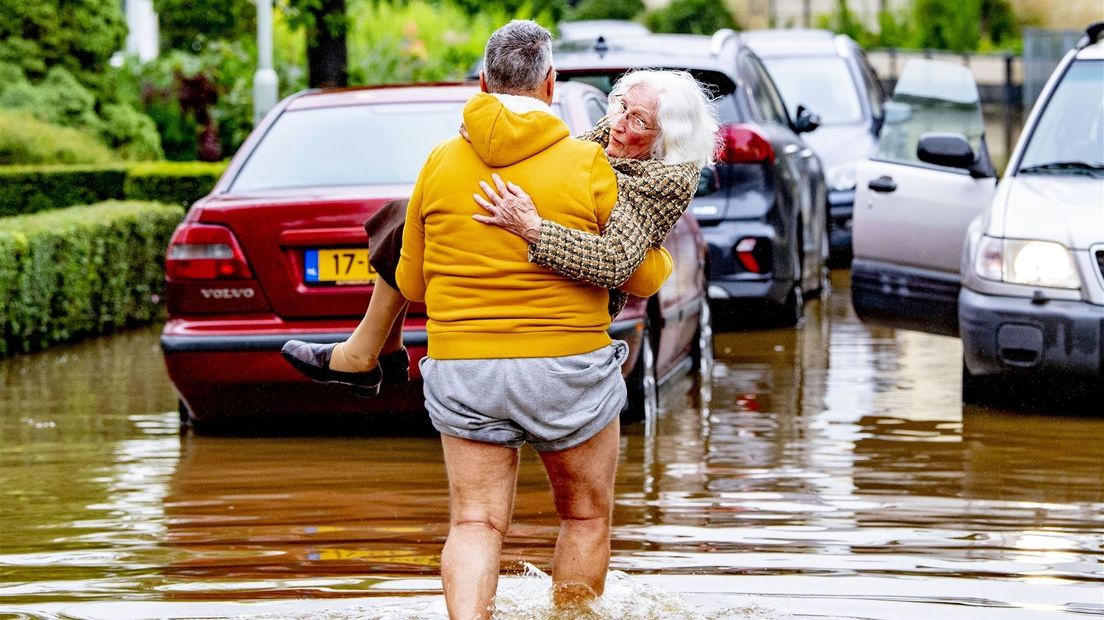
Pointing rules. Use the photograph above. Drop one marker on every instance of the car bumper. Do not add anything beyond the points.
(240, 374)
(1009, 335)
(728, 280)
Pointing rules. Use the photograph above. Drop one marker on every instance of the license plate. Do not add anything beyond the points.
(341, 266)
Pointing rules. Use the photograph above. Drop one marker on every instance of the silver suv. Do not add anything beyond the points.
(1015, 268)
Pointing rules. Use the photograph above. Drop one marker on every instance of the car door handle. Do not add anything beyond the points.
(882, 184)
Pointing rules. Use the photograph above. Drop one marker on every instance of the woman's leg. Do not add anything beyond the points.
(482, 480)
(379, 331)
(582, 485)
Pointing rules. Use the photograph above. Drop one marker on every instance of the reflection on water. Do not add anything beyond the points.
(831, 473)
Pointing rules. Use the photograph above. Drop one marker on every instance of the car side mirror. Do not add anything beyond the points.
(945, 149)
(807, 120)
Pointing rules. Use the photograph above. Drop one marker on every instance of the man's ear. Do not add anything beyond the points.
(550, 85)
(483, 81)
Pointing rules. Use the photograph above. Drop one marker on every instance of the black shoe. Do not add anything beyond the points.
(313, 360)
(395, 366)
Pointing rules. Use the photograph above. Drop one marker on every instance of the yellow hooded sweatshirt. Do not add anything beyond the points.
(483, 298)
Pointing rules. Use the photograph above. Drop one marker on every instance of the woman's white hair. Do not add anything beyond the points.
(686, 117)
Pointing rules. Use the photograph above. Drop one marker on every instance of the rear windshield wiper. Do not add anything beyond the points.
(1083, 167)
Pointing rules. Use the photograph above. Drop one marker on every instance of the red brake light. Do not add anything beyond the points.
(203, 252)
(743, 144)
(754, 254)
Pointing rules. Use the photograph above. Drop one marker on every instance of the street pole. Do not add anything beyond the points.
(264, 80)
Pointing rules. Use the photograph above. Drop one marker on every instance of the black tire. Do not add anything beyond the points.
(701, 350)
(793, 308)
(643, 388)
(185, 415)
(979, 389)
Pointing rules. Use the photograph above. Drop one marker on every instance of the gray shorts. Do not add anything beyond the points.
(553, 403)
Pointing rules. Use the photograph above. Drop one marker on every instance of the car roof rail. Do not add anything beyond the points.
(1092, 34)
(719, 39)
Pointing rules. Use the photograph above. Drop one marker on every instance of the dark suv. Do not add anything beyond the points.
(762, 206)
(830, 75)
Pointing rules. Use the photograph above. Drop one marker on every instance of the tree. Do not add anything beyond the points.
(692, 16)
(607, 9)
(77, 35)
(189, 25)
(327, 24)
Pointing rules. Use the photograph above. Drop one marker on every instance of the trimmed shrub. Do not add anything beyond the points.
(692, 17)
(174, 183)
(79, 271)
(27, 190)
(25, 140)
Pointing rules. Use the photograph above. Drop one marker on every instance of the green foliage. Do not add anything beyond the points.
(553, 10)
(82, 270)
(692, 16)
(26, 140)
(607, 9)
(59, 99)
(843, 21)
(189, 25)
(77, 35)
(174, 183)
(132, 134)
(29, 189)
(947, 24)
(420, 41)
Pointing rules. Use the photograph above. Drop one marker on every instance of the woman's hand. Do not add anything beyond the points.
(510, 208)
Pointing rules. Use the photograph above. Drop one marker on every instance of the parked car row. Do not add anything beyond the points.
(1014, 266)
(277, 250)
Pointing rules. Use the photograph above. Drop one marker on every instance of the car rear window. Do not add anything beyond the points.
(355, 145)
(824, 85)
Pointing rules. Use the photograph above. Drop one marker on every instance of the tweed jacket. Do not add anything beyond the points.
(651, 196)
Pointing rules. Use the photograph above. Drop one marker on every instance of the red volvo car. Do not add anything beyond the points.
(278, 251)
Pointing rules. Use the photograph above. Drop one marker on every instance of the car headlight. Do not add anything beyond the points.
(841, 178)
(1028, 262)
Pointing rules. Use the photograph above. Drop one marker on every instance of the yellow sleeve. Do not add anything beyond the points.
(410, 272)
(652, 273)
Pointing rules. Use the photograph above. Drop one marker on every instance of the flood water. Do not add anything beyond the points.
(829, 472)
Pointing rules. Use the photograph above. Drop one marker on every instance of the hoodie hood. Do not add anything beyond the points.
(502, 137)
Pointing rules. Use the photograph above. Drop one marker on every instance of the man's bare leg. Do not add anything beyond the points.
(379, 331)
(482, 480)
(582, 485)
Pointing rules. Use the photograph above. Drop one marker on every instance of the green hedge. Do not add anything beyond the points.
(82, 270)
(27, 189)
(175, 183)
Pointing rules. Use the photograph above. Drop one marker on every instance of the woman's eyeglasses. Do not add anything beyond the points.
(635, 121)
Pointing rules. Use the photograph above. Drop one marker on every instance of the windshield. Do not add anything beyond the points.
(1071, 127)
(355, 145)
(931, 96)
(824, 85)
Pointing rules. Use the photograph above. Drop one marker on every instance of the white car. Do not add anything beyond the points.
(1015, 268)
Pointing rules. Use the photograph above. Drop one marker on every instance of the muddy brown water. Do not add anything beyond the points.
(828, 472)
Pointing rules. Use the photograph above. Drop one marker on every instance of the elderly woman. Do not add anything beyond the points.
(658, 135)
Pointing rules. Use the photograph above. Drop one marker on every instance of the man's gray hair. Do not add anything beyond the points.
(518, 58)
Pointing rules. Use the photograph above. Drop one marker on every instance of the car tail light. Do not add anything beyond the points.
(754, 254)
(204, 252)
(743, 144)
